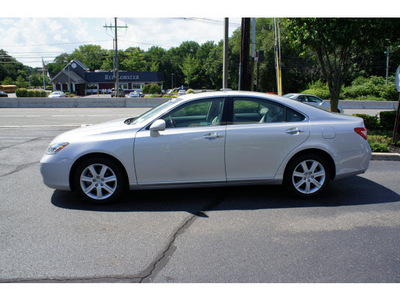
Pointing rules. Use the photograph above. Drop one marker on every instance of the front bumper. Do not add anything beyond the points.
(55, 172)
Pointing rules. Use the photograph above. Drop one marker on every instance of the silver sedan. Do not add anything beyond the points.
(210, 139)
(312, 100)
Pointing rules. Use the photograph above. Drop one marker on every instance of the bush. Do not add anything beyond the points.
(387, 119)
(151, 88)
(190, 91)
(372, 88)
(370, 122)
(379, 143)
(318, 89)
(21, 93)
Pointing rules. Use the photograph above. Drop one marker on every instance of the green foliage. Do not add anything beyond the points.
(21, 92)
(90, 55)
(379, 143)
(21, 82)
(388, 119)
(133, 60)
(190, 91)
(318, 89)
(371, 88)
(370, 122)
(189, 67)
(7, 81)
(339, 44)
(335, 49)
(151, 88)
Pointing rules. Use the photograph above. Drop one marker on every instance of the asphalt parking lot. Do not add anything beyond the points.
(241, 234)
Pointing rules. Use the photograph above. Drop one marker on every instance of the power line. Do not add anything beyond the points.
(52, 44)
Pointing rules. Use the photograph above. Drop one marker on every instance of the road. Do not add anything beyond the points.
(240, 234)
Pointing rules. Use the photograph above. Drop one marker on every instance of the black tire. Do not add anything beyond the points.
(99, 180)
(307, 175)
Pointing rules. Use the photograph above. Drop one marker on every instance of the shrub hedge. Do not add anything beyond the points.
(22, 92)
(371, 88)
(385, 121)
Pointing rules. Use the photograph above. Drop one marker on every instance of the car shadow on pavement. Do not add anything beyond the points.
(346, 192)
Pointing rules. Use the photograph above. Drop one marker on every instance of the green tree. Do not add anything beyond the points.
(133, 60)
(108, 60)
(90, 55)
(58, 64)
(338, 43)
(8, 80)
(21, 82)
(190, 67)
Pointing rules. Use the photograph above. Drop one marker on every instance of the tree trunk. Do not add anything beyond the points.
(334, 89)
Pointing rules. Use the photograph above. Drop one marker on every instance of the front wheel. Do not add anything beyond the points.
(307, 175)
(99, 180)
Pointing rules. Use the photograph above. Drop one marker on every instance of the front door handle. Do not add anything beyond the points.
(294, 131)
(212, 136)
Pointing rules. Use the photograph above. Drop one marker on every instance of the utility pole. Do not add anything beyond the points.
(253, 50)
(278, 57)
(225, 63)
(244, 80)
(116, 78)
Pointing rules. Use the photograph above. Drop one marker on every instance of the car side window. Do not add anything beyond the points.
(251, 111)
(197, 113)
(314, 99)
(302, 99)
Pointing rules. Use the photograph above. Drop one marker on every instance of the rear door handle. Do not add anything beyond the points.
(294, 131)
(212, 136)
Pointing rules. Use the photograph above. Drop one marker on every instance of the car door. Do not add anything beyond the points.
(190, 149)
(256, 146)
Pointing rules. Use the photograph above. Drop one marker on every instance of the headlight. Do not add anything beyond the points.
(55, 148)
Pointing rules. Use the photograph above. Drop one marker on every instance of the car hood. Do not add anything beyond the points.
(97, 131)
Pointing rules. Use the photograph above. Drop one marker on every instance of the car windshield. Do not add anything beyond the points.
(149, 114)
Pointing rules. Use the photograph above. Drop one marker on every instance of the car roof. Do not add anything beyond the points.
(304, 108)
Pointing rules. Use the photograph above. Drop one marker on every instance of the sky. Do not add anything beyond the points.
(31, 39)
(34, 30)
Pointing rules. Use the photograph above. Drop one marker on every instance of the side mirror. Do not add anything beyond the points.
(157, 126)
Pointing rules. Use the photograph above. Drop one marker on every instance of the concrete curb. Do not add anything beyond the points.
(385, 156)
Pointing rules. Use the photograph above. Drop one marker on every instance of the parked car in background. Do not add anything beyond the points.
(210, 139)
(135, 94)
(57, 94)
(181, 92)
(312, 100)
(121, 93)
(3, 94)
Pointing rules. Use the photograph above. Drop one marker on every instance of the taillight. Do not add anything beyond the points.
(361, 131)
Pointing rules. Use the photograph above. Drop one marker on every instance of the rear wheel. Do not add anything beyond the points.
(307, 175)
(99, 180)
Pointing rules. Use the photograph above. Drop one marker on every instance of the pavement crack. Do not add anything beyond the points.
(19, 144)
(19, 168)
(163, 258)
(150, 272)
